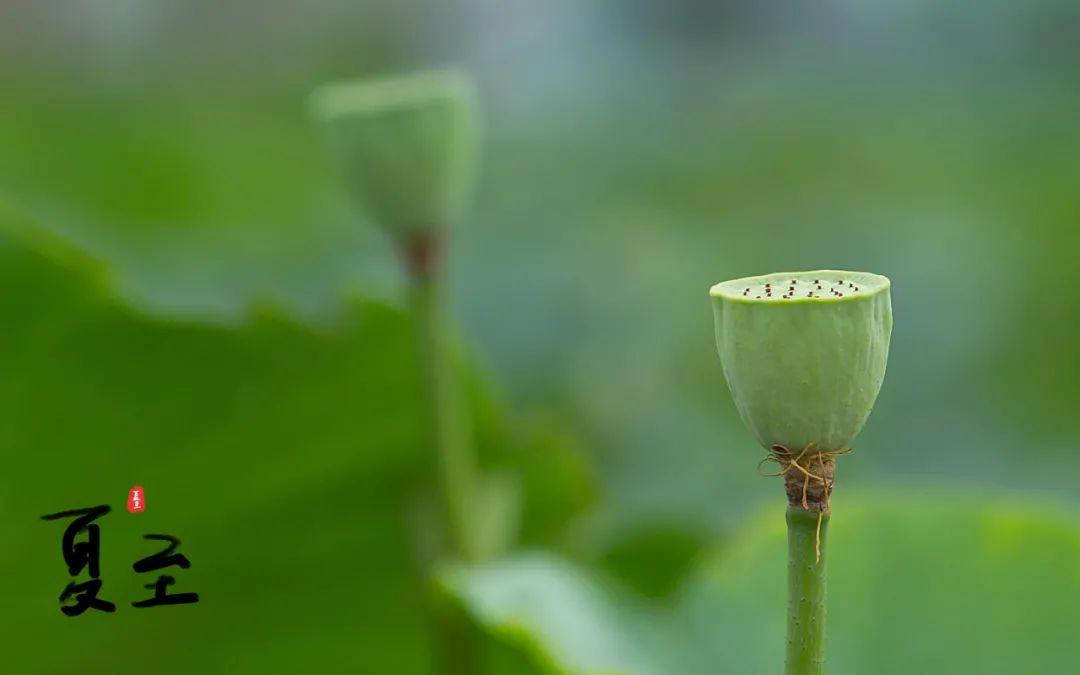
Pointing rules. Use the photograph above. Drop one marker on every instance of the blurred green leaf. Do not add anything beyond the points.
(918, 583)
(569, 621)
(285, 457)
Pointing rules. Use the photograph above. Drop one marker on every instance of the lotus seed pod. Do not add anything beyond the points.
(406, 145)
(804, 353)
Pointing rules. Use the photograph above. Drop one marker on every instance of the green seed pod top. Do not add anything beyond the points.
(804, 353)
(406, 144)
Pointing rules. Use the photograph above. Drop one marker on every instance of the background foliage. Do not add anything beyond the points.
(191, 304)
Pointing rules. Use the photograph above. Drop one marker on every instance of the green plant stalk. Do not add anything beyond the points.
(449, 429)
(806, 591)
(450, 435)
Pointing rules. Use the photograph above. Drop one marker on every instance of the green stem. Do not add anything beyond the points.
(455, 648)
(450, 433)
(806, 592)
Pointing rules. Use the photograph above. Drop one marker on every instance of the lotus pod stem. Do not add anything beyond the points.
(807, 535)
(406, 146)
(804, 356)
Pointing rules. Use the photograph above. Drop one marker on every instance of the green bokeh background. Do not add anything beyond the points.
(190, 303)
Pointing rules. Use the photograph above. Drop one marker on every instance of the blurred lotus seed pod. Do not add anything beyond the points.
(804, 353)
(406, 145)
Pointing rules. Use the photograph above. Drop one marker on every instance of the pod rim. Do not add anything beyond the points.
(730, 290)
(388, 93)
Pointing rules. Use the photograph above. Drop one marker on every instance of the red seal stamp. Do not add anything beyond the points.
(136, 500)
